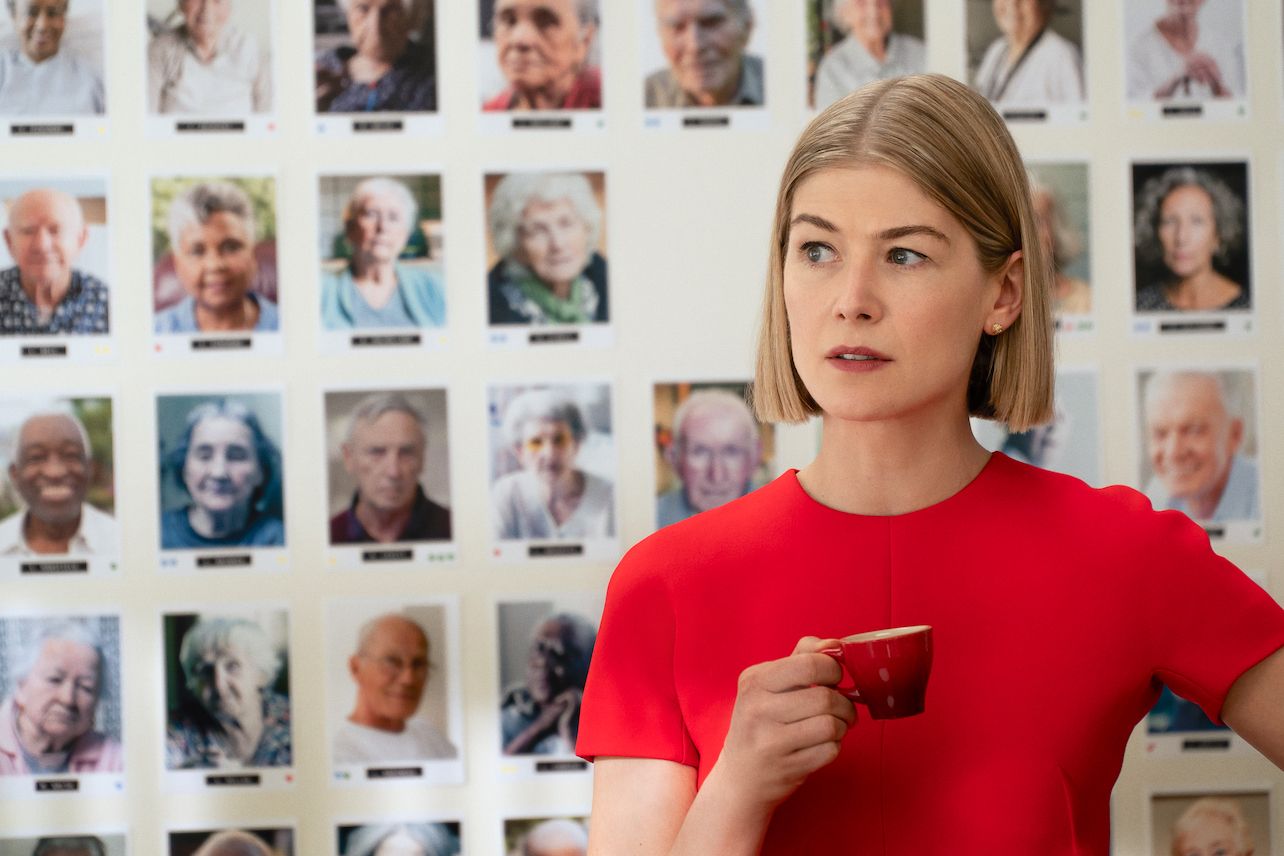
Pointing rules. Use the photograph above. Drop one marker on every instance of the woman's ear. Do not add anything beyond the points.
(1010, 295)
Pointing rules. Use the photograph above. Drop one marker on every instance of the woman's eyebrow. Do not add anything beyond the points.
(905, 231)
(818, 222)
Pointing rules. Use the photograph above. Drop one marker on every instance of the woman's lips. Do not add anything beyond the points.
(856, 359)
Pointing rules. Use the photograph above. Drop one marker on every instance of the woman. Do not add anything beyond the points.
(545, 228)
(1030, 63)
(907, 287)
(549, 497)
(543, 50)
(871, 50)
(232, 717)
(402, 839)
(207, 65)
(1187, 222)
(1070, 295)
(386, 69)
(230, 471)
(374, 290)
(211, 236)
(1212, 826)
(541, 716)
(1175, 58)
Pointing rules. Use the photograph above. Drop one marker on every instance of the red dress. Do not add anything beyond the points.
(1057, 610)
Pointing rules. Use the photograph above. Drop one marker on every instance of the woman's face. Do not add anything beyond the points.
(1188, 230)
(378, 230)
(1019, 20)
(1185, 8)
(546, 663)
(214, 261)
(228, 683)
(553, 241)
(869, 21)
(221, 471)
(547, 448)
(380, 29)
(1212, 836)
(885, 296)
(205, 19)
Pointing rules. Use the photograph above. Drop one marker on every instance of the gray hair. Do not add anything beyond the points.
(372, 407)
(64, 412)
(740, 8)
(542, 403)
(1228, 211)
(268, 456)
(13, 6)
(381, 186)
(518, 190)
(77, 630)
(88, 843)
(198, 203)
(233, 842)
(436, 839)
(212, 634)
(719, 399)
(1167, 380)
(368, 629)
(558, 833)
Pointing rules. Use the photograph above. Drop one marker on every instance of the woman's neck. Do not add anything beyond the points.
(36, 742)
(1207, 289)
(1180, 31)
(216, 525)
(376, 276)
(891, 467)
(368, 69)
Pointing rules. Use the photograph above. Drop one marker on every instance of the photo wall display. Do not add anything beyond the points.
(566, 834)
(53, 77)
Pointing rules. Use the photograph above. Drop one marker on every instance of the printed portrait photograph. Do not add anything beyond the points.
(1059, 192)
(703, 53)
(221, 473)
(1184, 50)
(388, 458)
(854, 42)
(550, 836)
(1226, 824)
(214, 258)
(51, 58)
(64, 845)
(539, 55)
(1026, 53)
(407, 838)
(389, 672)
(55, 261)
(546, 248)
(210, 59)
(380, 241)
(375, 56)
(233, 842)
(57, 478)
(1199, 443)
(1070, 443)
(553, 462)
(61, 709)
(227, 690)
(1191, 237)
(544, 651)
(709, 448)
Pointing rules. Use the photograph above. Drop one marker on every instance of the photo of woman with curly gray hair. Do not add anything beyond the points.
(546, 246)
(1190, 234)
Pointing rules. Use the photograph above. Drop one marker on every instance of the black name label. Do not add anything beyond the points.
(44, 350)
(1025, 115)
(706, 121)
(1192, 327)
(208, 127)
(57, 786)
(395, 773)
(385, 125)
(555, 550)
(1217, 744)
(560, 766)
(238, 561)
(239, 344)
(403, 555)
(54, 568)
(379, 341)
(238, 780)
(554, 338)
(46, 130)
(547, 123)
(1175, 110)
(1215, 531)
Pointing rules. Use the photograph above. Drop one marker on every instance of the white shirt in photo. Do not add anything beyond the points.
(98, 535)
(420, 740)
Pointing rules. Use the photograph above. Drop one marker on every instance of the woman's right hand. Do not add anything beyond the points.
(787, 723)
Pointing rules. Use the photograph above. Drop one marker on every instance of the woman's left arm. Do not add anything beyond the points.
(1253, 706)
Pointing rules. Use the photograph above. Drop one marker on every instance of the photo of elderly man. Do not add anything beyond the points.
(1026, 53)
(1199, 444)
(54, 260)
(63, 476)
(233, 842)
(209, 57)
(389, 466)
(546, 53)
(554, 836)
(51, 62)
(61, 711)
(375, 56)
(227, 689)
(854, 42)
(709, 448)
(394, 668)
(705, 46)
(64, 845)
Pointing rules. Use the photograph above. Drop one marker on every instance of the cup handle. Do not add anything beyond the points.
(848, 691)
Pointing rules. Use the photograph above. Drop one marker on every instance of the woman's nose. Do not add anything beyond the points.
(858, 299)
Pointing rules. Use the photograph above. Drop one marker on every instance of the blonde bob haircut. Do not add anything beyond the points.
(949, 141)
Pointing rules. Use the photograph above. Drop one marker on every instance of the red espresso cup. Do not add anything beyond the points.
(888, 669)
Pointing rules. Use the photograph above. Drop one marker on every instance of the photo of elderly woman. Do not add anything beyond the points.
(1026, 53)
(547, 248)
(552, 462)
(64, 845)
(60, 684)
(227, 690)
(214, 255)
(221, 471)
(854, 42)
(380, 244)
(1190, 237)
(400, 839)
(51, 62)
(546, 836)
(544, 654)
(1184, 50)
(1059, 192)
(540, 55)
(375, 56)
(1231, 823)
(209, 57)
(233, 842)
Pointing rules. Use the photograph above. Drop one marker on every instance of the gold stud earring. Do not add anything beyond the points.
(996, 328)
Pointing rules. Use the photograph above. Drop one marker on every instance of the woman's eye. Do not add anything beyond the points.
(817, 254)
(902, 256)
